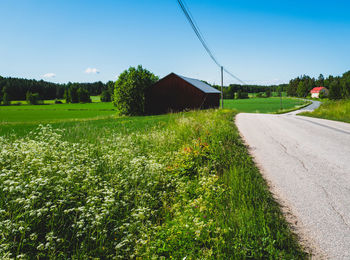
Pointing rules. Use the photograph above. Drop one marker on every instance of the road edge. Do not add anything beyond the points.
(309, 245)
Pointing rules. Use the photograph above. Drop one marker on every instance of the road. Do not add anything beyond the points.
(306, 162)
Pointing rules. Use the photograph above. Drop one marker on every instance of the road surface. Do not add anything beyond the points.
(306, 161)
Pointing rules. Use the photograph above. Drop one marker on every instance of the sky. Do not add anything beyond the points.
(261, 42)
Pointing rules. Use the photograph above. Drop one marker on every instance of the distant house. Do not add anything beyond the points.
(315, 92)
(175, 93)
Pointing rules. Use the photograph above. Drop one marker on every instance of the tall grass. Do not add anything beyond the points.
(185, 187)
(333, 110)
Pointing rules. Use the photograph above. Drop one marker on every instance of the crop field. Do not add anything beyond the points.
(333, 110)
(170, 186)
(262, 105)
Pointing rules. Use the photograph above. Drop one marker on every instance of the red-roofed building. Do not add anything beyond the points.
(315, 92)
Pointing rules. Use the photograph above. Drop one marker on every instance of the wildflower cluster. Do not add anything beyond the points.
(140, 194)
(68, 199)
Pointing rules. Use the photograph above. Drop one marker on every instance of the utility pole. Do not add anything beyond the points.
(222, 86)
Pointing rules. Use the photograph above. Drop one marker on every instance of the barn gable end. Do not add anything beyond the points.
(175, 93)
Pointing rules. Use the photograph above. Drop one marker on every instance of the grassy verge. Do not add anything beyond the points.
(283, 111)
(177, 186)
(333, 110)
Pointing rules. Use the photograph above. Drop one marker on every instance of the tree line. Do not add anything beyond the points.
(24, 89)
(339, 86)
(241, 91)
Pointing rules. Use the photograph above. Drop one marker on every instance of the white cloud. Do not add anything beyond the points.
(92, 71)
(49, 75)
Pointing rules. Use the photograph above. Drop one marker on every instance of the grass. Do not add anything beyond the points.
(53, 113)
(171, 186)
(333, 110)
(34, 114)
(262, 105)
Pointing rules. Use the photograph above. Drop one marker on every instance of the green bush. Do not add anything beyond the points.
(129, 90)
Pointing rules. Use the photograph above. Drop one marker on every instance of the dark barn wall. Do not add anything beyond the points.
(173, 94)
(212, 101)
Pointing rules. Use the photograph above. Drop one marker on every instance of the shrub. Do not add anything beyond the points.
(129, 90)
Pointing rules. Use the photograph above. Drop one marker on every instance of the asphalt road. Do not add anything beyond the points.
(306, 161)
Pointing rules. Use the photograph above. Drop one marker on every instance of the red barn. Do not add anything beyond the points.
(175, 93)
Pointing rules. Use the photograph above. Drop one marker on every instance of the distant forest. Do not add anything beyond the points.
(339, 87)
(236, 90)
(17, 88)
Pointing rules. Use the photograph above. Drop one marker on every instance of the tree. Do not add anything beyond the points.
(292, 87)
(230, 92)
(130, 90)
(83, 95)
(32, 99)
(73, 94)
(66, 96)
(320, 81)
(241, 94)
(6, 97)
(345, 84)
(110, 88)
(105, 96)
(335, 90)
(302, 89)
(268, 93)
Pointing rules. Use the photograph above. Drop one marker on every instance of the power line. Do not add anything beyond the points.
(200, 36)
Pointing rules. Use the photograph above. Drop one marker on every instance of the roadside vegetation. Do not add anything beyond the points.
(333, 110)
(178, 185)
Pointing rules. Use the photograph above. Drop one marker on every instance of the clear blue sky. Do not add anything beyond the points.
(262, 42)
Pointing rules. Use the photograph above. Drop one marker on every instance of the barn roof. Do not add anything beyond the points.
(199, 84)
(316, 89)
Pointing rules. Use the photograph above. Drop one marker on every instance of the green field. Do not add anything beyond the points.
(169, 186)
(53, 113)
(35, 114)
(333, 110)
(262, 105)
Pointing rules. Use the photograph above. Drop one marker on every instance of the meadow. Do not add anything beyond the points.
(53, 113)
(50, 113)
(262, 105)
(333, 110)
(170, 186)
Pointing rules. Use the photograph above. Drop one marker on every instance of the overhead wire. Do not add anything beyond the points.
(201, 38)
